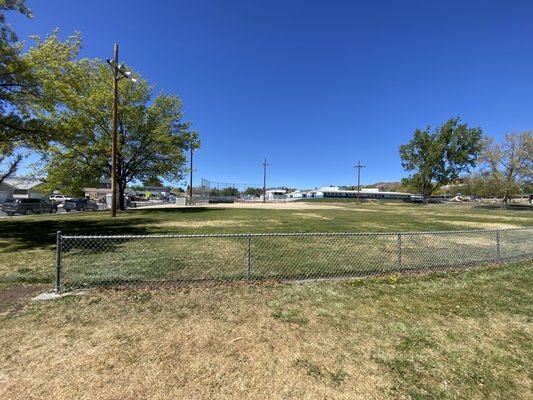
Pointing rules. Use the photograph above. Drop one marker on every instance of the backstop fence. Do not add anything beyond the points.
(152, 260)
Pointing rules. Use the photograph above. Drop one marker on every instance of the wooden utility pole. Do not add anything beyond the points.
(359, 166)
(114, 133)
(190, 179)
(265, 180)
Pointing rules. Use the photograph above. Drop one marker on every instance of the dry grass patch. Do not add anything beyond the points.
(482, 225)
(216, 223)
(462, 335)
(311, 216)
(292, 205)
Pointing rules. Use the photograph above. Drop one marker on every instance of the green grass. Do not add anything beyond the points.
(464, 335)
(27, 243)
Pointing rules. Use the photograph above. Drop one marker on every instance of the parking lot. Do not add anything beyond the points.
(60, 210)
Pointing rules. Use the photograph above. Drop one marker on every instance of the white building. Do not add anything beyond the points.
(276, 194)
(305, 194)
(20, 188)
(364, 193)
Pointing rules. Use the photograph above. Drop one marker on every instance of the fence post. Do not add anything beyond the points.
(498, 245)
(58, 262)
(399, 252)
(249, 256)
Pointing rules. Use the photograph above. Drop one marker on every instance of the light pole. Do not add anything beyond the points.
(265, 180)
(359, 166)
(119, 72)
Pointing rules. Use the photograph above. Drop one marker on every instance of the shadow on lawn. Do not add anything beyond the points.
(40, 232)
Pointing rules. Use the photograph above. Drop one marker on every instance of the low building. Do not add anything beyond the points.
(159, 192)
(305, 194)
(21, 188)
(364, 193)
(276, 194)
(97, 194)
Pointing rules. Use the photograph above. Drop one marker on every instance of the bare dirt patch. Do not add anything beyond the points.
(12, 297)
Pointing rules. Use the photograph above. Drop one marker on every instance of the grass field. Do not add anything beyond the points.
(464, 335)
(454, 335)
(27, 243)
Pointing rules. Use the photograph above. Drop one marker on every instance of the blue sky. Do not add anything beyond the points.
(313, 85)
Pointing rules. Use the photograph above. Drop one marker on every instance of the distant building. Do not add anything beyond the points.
(305, 194)
(103, 191)
(276, 194)
(20, 188)
(364, 193)
(155, 191)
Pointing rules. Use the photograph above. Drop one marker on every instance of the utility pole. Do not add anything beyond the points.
(190, 179)
(114, 140)
(359, 166)
(265, 180)
(119, 72)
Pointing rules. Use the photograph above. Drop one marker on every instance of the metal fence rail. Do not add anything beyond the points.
(121, 260)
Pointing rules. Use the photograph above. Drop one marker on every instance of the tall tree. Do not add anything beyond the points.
(22, 78)
(11, 75)
(441, 156)
(152, 137)
(508, 166)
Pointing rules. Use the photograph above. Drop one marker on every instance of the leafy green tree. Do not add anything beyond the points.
(438, 157)
(22, 81)
(153, 181)
(508, 166)
(252, 191)
(229, 191)
(151, 134)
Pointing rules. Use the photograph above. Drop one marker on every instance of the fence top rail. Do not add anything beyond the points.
(292, 234)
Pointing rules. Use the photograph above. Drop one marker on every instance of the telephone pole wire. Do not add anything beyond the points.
(359, 166)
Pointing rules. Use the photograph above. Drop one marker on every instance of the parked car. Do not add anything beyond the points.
(80, 205)
(59, 198)
(28, 206)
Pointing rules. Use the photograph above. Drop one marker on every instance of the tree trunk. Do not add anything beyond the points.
(505, 199)
(121, 198)
(424, 199)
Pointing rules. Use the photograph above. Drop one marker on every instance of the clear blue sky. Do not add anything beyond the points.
(315, 85)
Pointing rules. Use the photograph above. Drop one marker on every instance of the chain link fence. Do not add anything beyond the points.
(123, 260)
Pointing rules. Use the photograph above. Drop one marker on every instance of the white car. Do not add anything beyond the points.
(59, 198)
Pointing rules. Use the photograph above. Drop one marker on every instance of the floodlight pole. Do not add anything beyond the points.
(359, 166)
(114, 133)
(264, 179)
(118, 73)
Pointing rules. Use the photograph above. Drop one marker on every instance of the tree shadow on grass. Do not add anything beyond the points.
(40, 232)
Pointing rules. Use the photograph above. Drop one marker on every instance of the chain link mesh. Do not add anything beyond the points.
(97, 261)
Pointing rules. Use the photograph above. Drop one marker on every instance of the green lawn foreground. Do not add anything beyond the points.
(460, 335)
(27, 243)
